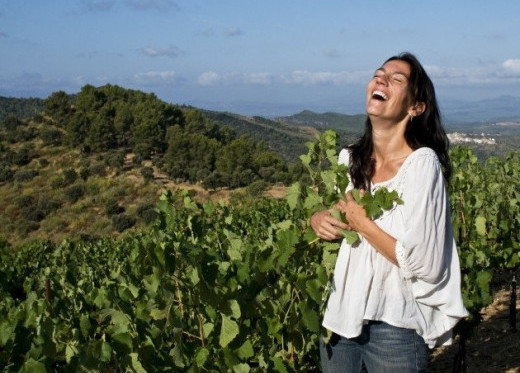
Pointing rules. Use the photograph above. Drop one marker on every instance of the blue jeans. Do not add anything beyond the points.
(381, 348)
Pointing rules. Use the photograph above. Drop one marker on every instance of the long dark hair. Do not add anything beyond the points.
(425, 129)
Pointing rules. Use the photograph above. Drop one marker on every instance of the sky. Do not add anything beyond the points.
(263, 57)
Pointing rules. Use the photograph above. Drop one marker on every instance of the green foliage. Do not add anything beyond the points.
(112, 207)
(74, 192)
(212, 287)
(6, 173)
(25, 175)
(52, 136)
(147, 174)
(22, 108)
(123, 222)
(485, 204)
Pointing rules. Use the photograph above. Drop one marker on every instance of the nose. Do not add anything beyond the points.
(382, 79)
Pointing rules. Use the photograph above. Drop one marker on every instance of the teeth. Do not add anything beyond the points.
(380, 94)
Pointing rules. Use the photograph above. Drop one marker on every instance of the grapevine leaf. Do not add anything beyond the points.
(201, 356)
(241, 368)
(70, 352)
(33, 366)
(207, 328)
(279, 365)
(351, 236)
(136, 364)
(310, 318)
(293, 195)
(228, 330)
(313, 289)
(480, 225)
(246, 350)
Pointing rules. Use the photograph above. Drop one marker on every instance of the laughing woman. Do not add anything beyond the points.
(397, 293)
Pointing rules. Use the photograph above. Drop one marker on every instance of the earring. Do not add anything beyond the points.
(411, 118)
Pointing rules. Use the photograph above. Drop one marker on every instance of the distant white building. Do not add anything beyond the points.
(462, 138)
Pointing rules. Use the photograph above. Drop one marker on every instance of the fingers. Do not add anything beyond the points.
(325, 226)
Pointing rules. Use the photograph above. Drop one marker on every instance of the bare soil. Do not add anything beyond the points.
(493, 348)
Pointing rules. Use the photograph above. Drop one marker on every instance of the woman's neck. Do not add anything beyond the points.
(389, 142)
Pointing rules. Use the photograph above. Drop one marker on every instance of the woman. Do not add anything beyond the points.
(397, 293)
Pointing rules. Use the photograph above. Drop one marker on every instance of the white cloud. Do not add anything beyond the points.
(211, 78)
(161, 51)
(304, 77)
(512, 66)
(506, 73)
(156, 77)
(208, 78)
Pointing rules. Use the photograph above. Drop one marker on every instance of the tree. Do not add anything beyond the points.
(59, 106)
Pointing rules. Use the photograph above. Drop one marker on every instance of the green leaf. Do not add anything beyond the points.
(235, 308)
(70, 352)
(201, 356)
(279, 365)
(246, 350)
(480, 225)
(228, 330)
(241, 368)
(136, 364)
(33, 366)
(124, 339)
(293, 195)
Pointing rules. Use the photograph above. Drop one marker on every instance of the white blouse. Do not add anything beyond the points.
(424, 291)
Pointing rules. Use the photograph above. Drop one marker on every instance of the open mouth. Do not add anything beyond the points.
(380, 96)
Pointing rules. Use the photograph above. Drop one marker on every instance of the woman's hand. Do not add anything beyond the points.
(324, 225)
(354, 213)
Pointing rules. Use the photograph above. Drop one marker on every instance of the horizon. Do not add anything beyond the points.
(269, 58)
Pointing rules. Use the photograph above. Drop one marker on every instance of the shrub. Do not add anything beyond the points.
(84, 173)
(98, 170)
(256, 188)
(25, 175)
(123, 222)
(47, 205)
(146, 212)
(112, 207)
(52, 137)
(43, 162)
(115, 159)
(21, 157)
(24, 201)
(75, 192)
(6, 174)
(69, 176)
(147, 174)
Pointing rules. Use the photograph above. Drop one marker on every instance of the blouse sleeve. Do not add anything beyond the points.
(423, 250)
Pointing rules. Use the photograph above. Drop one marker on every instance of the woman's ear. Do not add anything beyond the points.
(417, 109)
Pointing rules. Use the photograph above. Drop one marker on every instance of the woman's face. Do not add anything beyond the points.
(387, 92)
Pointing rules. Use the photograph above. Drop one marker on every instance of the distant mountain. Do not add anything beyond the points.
(503, 108)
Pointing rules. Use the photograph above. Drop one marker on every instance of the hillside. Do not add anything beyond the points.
(93, 164)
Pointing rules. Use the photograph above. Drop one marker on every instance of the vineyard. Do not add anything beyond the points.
(215, 287)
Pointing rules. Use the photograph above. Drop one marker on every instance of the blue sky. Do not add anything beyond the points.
(257, 57)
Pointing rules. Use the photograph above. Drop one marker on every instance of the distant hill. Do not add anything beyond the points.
(503, 108)
(284, 138)
(22, 108)
(344, 123)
